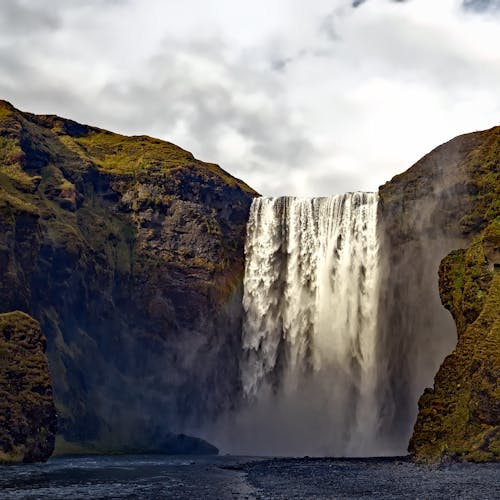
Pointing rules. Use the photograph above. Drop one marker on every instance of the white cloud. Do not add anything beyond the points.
(295, 98)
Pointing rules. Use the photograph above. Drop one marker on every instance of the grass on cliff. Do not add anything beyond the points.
(483, 169)
(12, 200)
(141, 155)
(62, 141)
(460, 417)
(14, 181)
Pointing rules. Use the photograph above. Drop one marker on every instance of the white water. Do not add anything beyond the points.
(308, 368)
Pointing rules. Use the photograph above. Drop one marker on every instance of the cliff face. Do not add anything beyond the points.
(445, 201)
(27, 411)
(129, 252)
(422, 217)
(460, 417)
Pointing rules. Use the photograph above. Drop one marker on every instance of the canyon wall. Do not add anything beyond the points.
(129, 252)
(459, 418)
(444, 202)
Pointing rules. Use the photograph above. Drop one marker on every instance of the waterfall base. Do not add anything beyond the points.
(309, 363)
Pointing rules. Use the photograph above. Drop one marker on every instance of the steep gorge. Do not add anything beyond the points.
(309, 362)
(130, 254)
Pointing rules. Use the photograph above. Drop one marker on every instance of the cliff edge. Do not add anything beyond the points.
(448, 200)
(459, 417)
(129, 252)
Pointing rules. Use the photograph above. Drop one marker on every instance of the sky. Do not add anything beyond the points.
(296, 98)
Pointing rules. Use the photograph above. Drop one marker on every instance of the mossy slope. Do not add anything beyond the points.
(129, 251)
(443, 202)
(27, 411)
(459, 417)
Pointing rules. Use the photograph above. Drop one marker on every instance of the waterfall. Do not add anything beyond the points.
(308, 366)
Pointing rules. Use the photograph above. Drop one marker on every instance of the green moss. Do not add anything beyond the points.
(16, 187)
(14, 203)
(27, 412)
(11, 153)
(141, 156)
(108, 239)
(483, 169)
(460, 417)
(492, 233)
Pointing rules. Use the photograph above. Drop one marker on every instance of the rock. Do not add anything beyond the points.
(170, 444)
(464, 423)
(441, 203)
(129, 251)
(27, 411)
(181, 444)
(447, 205)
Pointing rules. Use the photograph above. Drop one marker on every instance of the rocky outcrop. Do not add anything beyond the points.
(27, 411)
(129, 252)
(176, 444)
(444, 202)
(459, 418)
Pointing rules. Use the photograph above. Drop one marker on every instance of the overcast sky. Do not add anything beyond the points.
(295, 97)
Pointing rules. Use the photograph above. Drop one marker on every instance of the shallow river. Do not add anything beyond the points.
(157, 477)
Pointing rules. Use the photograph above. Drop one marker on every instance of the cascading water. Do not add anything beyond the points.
(308, 368)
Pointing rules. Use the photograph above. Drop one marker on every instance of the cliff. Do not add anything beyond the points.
(129, 252)
(27, 411)
(450, 199)
(460, 417)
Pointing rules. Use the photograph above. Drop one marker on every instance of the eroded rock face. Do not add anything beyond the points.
(460, 417)
(129, 252)
(445, 201)
(27, 411)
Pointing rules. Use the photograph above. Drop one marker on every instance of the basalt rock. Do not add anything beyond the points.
(27, 411)
(129, 252)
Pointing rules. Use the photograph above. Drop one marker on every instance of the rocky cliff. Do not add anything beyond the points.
(459, 418)
(129, 252)
(450, 199)
(27, 411)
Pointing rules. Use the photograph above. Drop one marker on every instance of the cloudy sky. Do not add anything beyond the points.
(295, 97)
